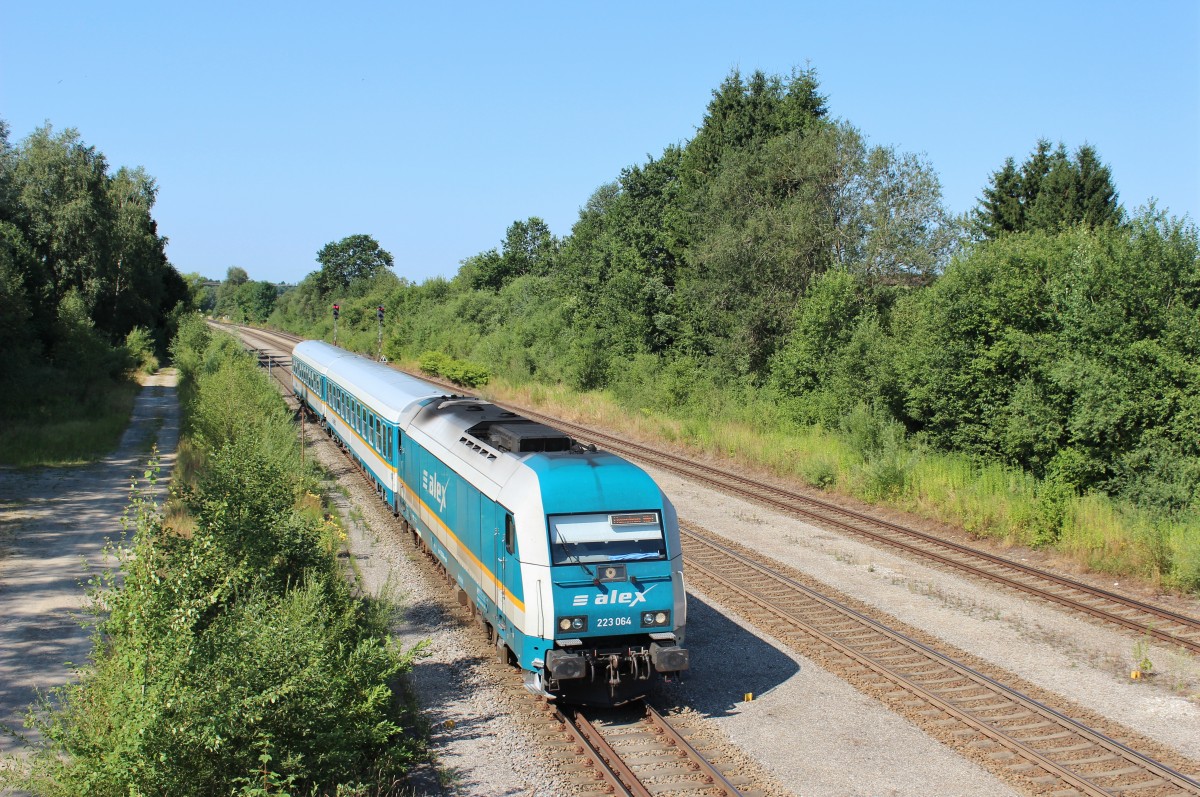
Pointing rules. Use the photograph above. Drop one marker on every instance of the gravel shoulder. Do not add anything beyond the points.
(1081, 661)
(797, 728)
(54, 524)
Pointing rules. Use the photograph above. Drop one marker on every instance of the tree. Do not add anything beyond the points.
(1051, 192)
(62, 208)
(16, 337)
(88, 232)
(907, 233)
(529, 248)
(133, 289)
(743, 113)
(243, 299)
(353, 258)
(202, 297)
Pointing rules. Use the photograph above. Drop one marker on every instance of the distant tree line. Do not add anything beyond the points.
(779, 256)
(83, 270)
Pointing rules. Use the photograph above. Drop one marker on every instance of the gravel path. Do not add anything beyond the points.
(54, 523)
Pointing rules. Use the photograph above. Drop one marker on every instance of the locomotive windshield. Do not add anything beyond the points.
(623, 537)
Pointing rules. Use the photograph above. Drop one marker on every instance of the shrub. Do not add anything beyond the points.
(459, 372)
(434, 362)
(140, 345)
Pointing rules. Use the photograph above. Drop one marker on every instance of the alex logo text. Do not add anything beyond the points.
(437, 490)
(612, 598)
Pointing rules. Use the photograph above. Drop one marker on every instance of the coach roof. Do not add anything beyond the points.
(386, 391)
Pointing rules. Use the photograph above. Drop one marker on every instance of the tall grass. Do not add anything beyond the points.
(45, 428)
(872, 461)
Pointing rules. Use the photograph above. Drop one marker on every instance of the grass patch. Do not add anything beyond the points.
(51, 430)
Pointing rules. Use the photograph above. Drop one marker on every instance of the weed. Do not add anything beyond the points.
(1141, 656)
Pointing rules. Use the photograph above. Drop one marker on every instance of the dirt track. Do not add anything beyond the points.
(53, 526)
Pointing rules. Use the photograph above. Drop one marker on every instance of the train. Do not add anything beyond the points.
(567, 555)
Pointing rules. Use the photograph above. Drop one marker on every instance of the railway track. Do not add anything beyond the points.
(1133, 615)
(611, 753)
(1021, 738)
(637, 755)
(1138, 617)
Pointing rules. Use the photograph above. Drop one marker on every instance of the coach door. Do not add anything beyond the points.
(506, 565)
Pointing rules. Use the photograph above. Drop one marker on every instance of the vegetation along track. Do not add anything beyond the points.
(1020, 738)
(1140, 617)
(1137, 616)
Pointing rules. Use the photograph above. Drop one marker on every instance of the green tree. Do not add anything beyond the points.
(257, 300)
(908, 235)
(529, 248)
(62, 207)
(1051, 192)
(202, 297)
(16, 336)
(742, 113)
(355, 257)
(136, 291)
(90, 233)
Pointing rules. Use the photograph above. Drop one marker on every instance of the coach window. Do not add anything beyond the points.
(510, 534)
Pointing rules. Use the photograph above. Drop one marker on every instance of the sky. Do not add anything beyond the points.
(275, 128)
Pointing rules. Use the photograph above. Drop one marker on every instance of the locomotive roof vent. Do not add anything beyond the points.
(522, 438)
(476, 447)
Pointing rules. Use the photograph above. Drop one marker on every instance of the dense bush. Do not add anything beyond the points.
(459, 372)
(1069, 355)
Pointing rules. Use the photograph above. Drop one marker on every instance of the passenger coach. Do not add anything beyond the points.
(570, 556)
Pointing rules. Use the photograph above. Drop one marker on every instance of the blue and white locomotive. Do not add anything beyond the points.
(569, 556)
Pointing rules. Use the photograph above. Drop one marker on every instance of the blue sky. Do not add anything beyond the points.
(274, 128)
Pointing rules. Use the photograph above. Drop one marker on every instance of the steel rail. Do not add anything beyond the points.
(713, 777)
(597, 748)
(720, 574)
(897, 536)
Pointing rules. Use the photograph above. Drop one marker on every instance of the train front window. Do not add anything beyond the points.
(615, 537)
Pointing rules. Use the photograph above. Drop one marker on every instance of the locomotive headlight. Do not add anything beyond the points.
(577, 624)
(655, 619)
